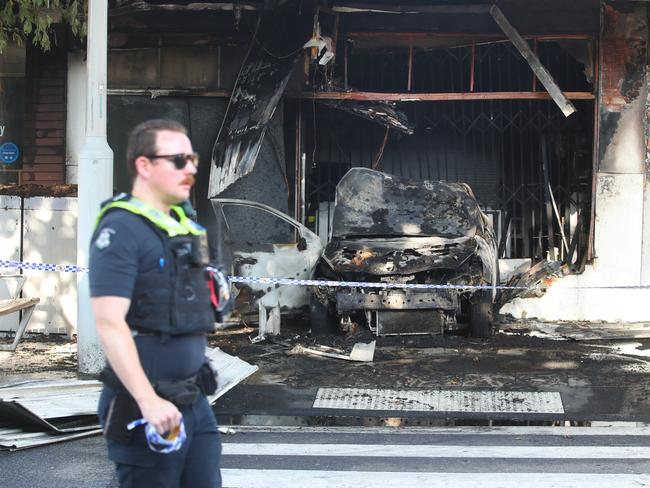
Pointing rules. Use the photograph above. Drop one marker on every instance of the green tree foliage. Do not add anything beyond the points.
(22, 20)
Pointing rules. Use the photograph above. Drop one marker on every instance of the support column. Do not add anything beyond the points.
(95, 177)
(645, 260)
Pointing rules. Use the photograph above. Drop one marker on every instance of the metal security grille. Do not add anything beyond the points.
(529, 166)
(495, 146)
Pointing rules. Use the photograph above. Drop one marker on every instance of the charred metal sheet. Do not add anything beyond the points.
(13, 413)
(374, 204)
(528, 284)
(383, 113)
(399, 322)
(405, 255)
(232, 370)
(535, 64)
(397, 300)
(128, 7)
(35, 413)
(272, 55)
(360, 351)
(18, 439)
(54, 399)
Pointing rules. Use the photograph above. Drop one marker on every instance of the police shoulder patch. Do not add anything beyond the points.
(104, 238)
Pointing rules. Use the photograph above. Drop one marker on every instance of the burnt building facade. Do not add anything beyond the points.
(542, 107)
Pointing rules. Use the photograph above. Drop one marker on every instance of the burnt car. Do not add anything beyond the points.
(389, 229)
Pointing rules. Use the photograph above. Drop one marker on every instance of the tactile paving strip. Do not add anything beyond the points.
(439, 400)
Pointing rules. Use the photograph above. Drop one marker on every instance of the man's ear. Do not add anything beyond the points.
(143, 166)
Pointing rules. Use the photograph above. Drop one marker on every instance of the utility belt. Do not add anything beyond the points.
(163, 336)
(124, 409)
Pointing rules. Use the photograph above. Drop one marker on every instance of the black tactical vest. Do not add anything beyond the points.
(173, 298)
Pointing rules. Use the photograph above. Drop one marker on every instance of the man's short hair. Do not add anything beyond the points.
(142, 140)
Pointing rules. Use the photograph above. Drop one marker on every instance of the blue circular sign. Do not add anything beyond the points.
(9, 153)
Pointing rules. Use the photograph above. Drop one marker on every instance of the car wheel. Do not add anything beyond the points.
(322, 320)
(481, 314)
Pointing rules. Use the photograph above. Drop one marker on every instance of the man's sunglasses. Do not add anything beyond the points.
(179, 160)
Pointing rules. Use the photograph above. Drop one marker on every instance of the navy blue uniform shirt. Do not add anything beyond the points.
(123, 246)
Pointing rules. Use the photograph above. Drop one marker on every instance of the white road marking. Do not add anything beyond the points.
(270, 478)
(629, 429)
(437, 451)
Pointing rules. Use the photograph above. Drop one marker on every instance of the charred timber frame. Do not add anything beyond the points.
(555, 92)
(533, 61)
(436, 97)
(408, 39)
(359, 95)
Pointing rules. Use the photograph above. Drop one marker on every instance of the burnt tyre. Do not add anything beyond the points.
(481, 313)
(321, 317)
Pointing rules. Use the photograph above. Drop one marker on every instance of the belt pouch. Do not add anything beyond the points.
(122, 410)
(207, 379)
(182, 392)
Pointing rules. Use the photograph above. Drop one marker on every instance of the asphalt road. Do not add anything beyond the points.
(361, 457)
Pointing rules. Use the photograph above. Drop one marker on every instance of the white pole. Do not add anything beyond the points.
(95, 180)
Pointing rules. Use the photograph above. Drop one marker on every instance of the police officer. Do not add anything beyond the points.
(152, 308)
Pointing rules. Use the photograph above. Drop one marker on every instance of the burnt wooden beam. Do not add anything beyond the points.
(409, 81)
(434, 97)
(550, 233)
(414, 36)
(163, 92)
(360, 8)
(472, 66)
(355, 95)
(533, 61)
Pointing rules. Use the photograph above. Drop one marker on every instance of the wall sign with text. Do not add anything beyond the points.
(12, 107)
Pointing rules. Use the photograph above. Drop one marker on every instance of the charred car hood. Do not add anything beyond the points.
(374, 204)
(399, 255)
(387, 225)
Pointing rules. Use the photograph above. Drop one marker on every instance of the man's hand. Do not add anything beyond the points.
(123, 357)
(160, 413)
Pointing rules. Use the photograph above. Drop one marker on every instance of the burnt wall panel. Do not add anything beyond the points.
(624, 50)
(133, 68)
(205, 115)
(124, 113)
(529, 17)
(201, 116)
(175, 67)
(179, 67)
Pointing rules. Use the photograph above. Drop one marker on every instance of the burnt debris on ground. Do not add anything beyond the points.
(36, 190)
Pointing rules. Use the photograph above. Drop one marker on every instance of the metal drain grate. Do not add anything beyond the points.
(439, 400)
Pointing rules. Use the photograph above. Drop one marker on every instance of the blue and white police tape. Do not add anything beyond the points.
(363, 284)
(170, 442)
(60, 268)
(70, 268)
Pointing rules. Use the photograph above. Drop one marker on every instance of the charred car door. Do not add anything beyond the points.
(260, 241)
